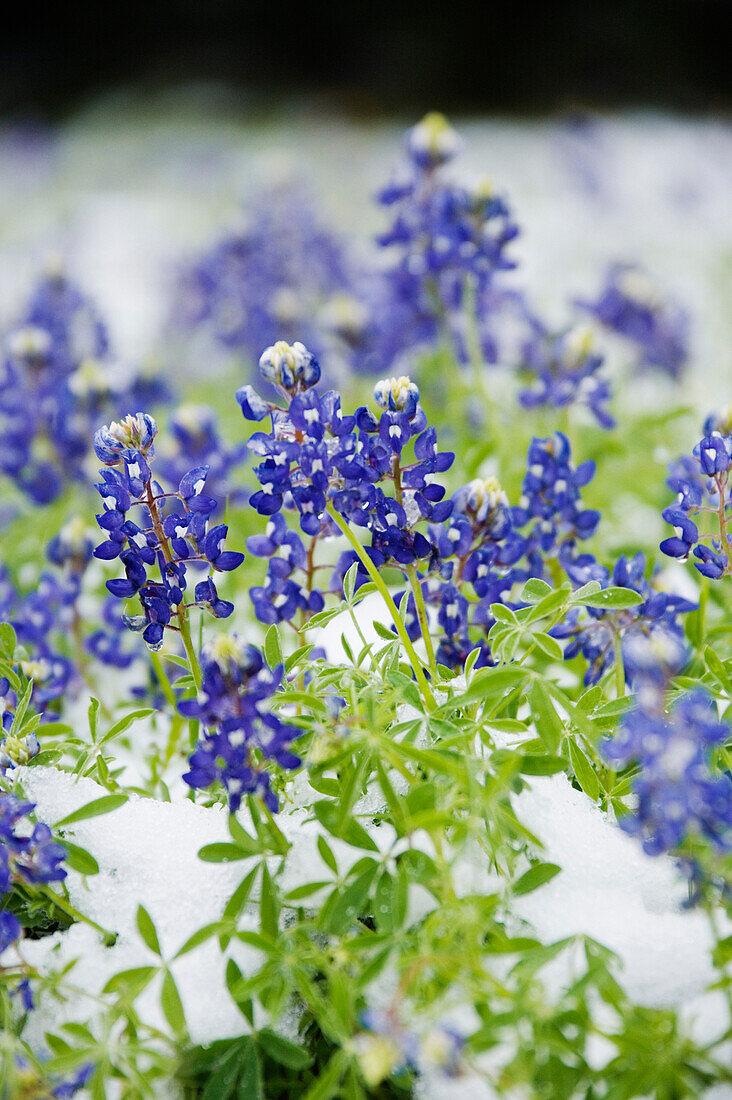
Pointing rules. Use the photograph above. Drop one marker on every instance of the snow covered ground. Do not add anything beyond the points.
(147, 851)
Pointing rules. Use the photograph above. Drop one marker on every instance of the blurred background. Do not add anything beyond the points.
(375, 58)
(134, 137)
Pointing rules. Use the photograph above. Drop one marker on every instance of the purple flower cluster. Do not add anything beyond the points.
(28, 855)
(565, 372)
(173, 532)
(679, 792)
(56, 383)
(701, 483)
(478, 547)
(630, 305)
(242, 737)
(31, 1085)
(49, 622)
(283, 274)
(449, 243)
(552, 510)
(653, 620)
(316, 457)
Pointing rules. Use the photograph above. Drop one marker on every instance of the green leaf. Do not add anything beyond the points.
(489, 685)
(134, 980)
(96, 808)
(221, 1083)
(550, 605)
(268, 905)
(124, 723)
(532, 764)
(54, 729)
(384, 632)
(583, 770)
(535, 590)
(273, 647)
(241, 837)
(350, 831)
(326, 854)
(349, 582)
(548, 723)
(549, 646)
(172, 1005)
(613, 599)
(45, 758)
(328, 1080)
(7, 671)
(580, 594)
(21, 708)
(306, 890)
(93, 712)
(199, 937)
(351, 900)
(240, 897)
(503, 614)
(146, 929)
(78, 859)
(718, 669)
(282, 1050)
(535, 877)
(222, 853)
(8, 640)
(250, 1086)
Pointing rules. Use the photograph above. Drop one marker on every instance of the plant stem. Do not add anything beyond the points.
(424, 625)
(386, 596)
(619, 665)
(162, 679)
(66, 907)
(183, 624)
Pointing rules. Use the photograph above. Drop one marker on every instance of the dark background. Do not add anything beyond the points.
(367, 59)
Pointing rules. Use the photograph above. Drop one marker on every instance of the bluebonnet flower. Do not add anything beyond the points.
(679, 792)
(35, 1087)
(283, 274)
(385, 1047)
(551, 503)
(51, 625)
(315, 457)
(565, 372)
(64, 1090)
(242, 736)
(56, 382)
(477, 546)
(449, 242)
(42, 619)
(9, 929)
(15, 751)
(172, 535)
(701, 483)
(653, 622)
(27, 856)
(631, 305)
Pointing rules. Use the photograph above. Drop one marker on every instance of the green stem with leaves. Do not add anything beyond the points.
(66, 907)
(424, 625)
(386, 596)
(619, 664)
